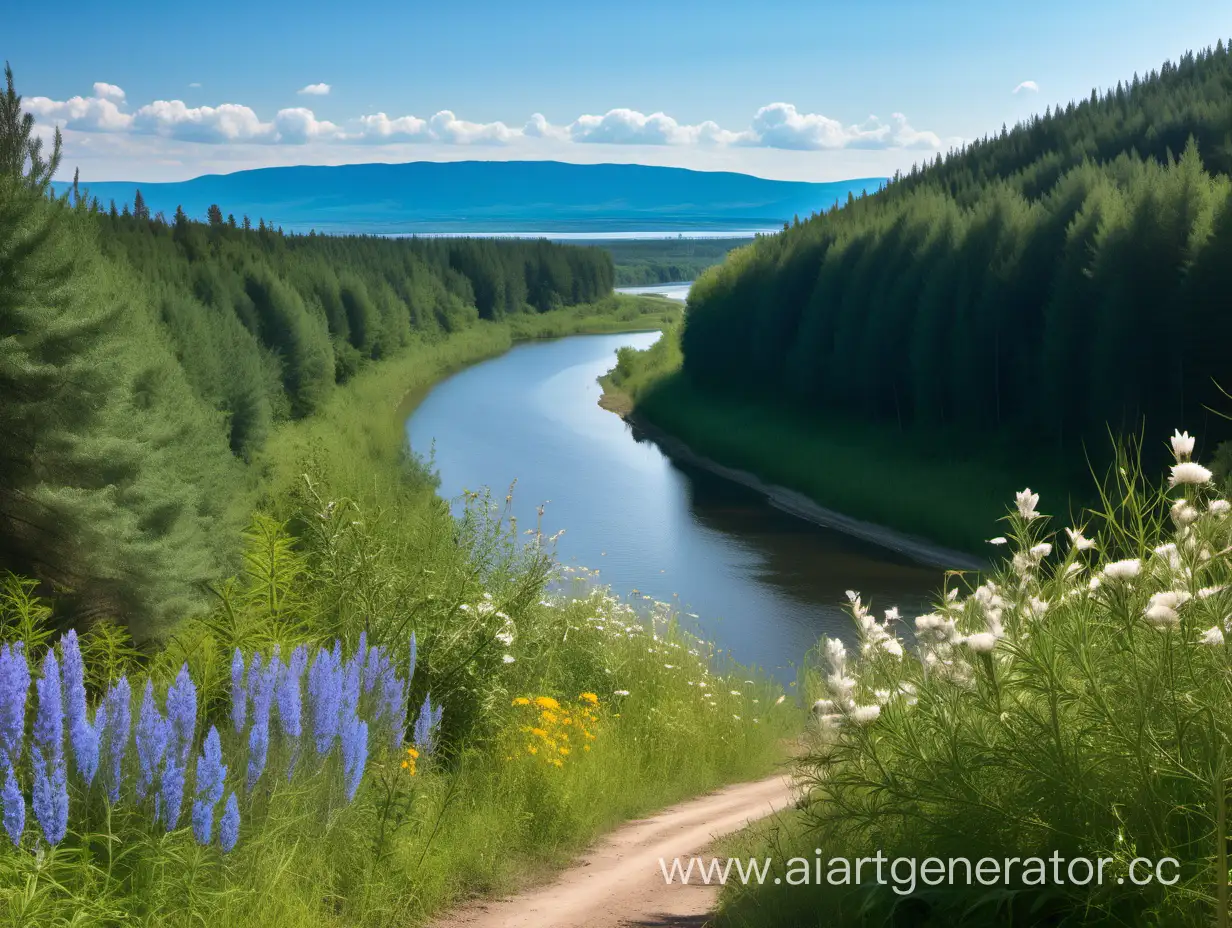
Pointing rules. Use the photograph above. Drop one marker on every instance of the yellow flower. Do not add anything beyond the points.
(412, 753)
(531, 749)
(546, 702)
(538, 732)
(549, 717)
(586, 747)
(566, 721)
(521, 701)
(564, 750)
(558, 763)
(590, 698)
(405, 765)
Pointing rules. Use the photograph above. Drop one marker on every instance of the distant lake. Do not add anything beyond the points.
(678, 291)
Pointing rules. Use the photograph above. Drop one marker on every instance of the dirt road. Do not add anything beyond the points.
(618, 883)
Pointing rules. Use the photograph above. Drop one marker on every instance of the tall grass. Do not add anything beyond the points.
(1076, 700)
(351, 541)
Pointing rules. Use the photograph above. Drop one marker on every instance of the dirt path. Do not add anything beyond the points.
(618, 882)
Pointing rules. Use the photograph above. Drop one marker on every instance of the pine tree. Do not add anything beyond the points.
(140, 210)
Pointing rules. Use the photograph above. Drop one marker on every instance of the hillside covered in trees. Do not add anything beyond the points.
(144, 362)
(1060, 278)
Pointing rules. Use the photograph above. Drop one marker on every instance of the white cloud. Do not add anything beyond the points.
(108, 91)
(776, 126)
(1029, 86)
(315, 90)
(299, 125)
(229, 122)
(194, 85)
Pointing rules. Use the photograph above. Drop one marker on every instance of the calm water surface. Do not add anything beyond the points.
(679, 291)
(764, 584)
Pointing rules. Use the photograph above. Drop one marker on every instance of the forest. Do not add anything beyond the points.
(1058, 280)
(145, 361)
(645, 262)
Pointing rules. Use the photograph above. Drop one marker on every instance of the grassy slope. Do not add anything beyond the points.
(934, 486)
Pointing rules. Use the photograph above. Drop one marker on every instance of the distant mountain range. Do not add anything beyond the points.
(492, 196)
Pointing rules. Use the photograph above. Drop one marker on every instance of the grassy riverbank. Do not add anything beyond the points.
(937, 486)
(562, 715)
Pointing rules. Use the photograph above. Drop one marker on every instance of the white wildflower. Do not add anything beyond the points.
(620, 692)
(1162, 616)
(823, 706)
(1078, 540)
(862, 715)
(1213, 636)
(981, 643)
(891, 615)
(508, 659)
(505, 638)
(999, 540)
(1182, 445)
(1187, 473)
(1038, 606)
(1026, 502)
(1123, 570)
(1040, 551)
(893, 646)
(1219, 507)
(779, 701)
(736, 693)
(1183, 513)
(1208, 591)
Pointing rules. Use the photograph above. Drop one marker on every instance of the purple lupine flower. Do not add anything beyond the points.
(410, 667)
(13, 803)
(50, 796)
(73, 680)
(427, 726)
(352, 677)
(49, 719)
(171, 791)
(372, 670)
(14, 691)
(354, 753)
(391, 705)
(86, 744)
(289, 695)
(325, 691)
(120, 713)
(181, 717)
(261, 684)
(151, 741)
(229, 827)
(211, 778)
(239, 695)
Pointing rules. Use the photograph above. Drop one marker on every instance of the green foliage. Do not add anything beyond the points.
(646, 262)
(1074, 700)
(1024, 288)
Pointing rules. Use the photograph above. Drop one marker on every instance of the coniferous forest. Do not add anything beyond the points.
(144, 361)
(1060, 279)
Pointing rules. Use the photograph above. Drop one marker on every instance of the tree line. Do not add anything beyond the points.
(143, 362)
(1068, 276)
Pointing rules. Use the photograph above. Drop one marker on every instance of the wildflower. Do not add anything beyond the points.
(736, 693)
(151, 741)
(391, 700)
(49, 720)
(591, 698)
(508, 659)
(354, 753)
(1183, 513)
(171, 791)
(1208, 591)
(1122, 570)
(81, 734)
(1219, 507)
(411, 757)
(13, 803)
(50, 796)
(239, 695)
(427, 726)
(1026, 502)
(182, 716)
(1213, 636)
(211, 778)
(779, 701)
(620, 692)
(325, 692)
(891, 615)
(261, 686)
(1162, 616)
(521, 701)
(14, 691)
(981, 643)
(1040, 551)
(999, 540)
(288, 694)
(1187, 473)
(862, 715)
(118, 706)
(1078, 540)
(505, 638)
(229, 827)
(1182, 445)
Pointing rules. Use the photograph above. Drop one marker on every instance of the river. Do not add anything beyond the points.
(755, 580)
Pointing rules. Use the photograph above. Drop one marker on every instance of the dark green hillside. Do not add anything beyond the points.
(1069, 275)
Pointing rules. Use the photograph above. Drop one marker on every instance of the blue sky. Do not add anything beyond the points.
(817, 90)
